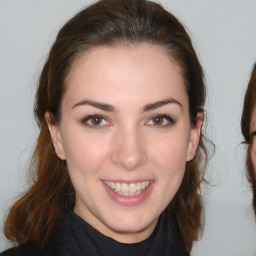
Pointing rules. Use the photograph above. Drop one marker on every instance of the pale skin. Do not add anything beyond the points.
(252, 129)
(125, 119)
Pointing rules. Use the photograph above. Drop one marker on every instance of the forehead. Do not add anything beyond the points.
(136, 72)
(144, 50)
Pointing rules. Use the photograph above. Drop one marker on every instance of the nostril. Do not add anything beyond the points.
(129, 151)
(129, 159)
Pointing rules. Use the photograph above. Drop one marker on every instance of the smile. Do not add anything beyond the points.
(125, 189)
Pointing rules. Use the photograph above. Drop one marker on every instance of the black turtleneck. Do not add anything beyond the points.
(77, 238)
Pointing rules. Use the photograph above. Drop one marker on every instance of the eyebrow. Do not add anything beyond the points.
(161, 103)
(102, 106)
(110, 108)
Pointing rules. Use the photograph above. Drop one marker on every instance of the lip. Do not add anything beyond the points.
(129, 200)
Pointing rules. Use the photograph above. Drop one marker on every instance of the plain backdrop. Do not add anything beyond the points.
(224, 36)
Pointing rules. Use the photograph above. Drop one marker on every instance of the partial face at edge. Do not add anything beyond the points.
(252, 129)
(126, 137)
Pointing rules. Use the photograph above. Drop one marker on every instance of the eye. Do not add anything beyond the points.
(160, 120)
(95, 121)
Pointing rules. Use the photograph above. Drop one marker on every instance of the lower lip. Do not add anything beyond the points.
(128, 200)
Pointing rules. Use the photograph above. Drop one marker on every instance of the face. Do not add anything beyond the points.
(252, 129)
(126, 137)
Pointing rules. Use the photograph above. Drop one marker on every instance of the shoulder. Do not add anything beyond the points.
(178, 244)
(26, 250)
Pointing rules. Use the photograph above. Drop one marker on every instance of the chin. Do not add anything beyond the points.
(132, 223)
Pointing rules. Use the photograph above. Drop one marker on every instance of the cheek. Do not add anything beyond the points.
(171, 151)
(84, 153)
(169, 159)
(170, 163)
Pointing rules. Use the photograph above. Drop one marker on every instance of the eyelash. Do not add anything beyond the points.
(94, 126)
(167, 120)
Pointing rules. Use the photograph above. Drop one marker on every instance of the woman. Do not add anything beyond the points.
(120, 155)
(248, 126)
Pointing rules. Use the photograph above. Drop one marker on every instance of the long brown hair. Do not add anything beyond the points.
(249, 105)
(35, 215)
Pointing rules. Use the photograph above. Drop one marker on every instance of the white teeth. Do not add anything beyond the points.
(138, 187)
(132, 188)
(118, 187)
(125, 189)
(112, 185)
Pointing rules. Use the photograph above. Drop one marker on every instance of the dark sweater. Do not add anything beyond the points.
(78, 238)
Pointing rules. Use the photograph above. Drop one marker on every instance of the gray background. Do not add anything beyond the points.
(224, 36)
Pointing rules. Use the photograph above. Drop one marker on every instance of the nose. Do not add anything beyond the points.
(129, 150)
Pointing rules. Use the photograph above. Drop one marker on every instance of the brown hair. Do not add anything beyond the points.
(249, 104)
(34, 216)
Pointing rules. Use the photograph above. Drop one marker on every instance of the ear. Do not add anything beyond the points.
(55, 135)
(195, 136)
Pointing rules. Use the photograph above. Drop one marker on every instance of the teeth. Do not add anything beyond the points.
(112, 185)
(125, 189)
(132, 188)
(117, 187)
(138, 186)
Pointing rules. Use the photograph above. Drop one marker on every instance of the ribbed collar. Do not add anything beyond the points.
(78, 238)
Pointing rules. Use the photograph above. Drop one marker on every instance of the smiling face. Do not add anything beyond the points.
(253, 129)
(126, 137)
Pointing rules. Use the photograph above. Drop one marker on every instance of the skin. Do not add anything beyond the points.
(252, 129)
(128, 144)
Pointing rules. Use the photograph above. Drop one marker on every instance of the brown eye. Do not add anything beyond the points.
(96, 120)
(158, 120)
(161, 121)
